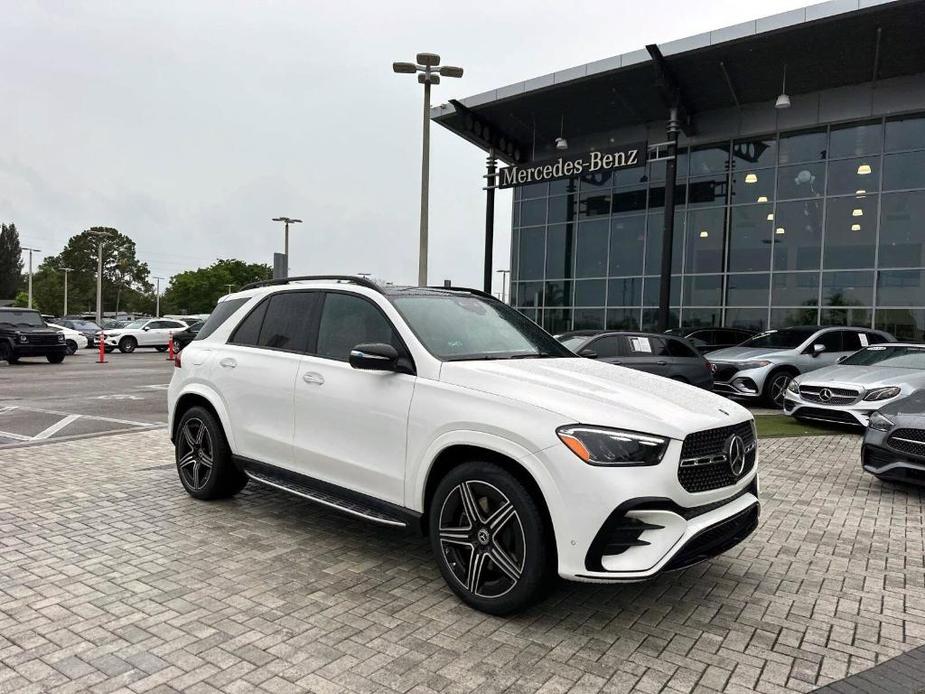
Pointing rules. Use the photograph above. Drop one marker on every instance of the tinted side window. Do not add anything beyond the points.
(286, 324)
(831, 340)
(676, 348)
(222, 312)
(876, 339)
(606, 347)
(348, 321)
(851, 341)
(248, 330)
(155, 324)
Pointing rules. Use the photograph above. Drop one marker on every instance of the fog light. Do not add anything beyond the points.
(744, 385)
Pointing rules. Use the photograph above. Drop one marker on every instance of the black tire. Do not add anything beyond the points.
(775, 386)
(128, 344)
(161, 349)
(200, 438)
(55, 358)
(7, 354)
(108, 349)
(71, 347)
(520, 540)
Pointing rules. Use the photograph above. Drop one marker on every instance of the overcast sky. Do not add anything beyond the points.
(189, 124)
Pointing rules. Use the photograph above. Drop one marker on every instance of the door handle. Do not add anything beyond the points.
(228, 363)
(662, 363)
(313, 378)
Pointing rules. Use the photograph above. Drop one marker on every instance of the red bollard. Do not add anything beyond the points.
(171, 355)
(102, 358)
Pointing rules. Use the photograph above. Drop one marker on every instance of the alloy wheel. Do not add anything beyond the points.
(482, 539)
(779, 388)
(195, 453)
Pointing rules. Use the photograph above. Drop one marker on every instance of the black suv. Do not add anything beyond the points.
(23, 333)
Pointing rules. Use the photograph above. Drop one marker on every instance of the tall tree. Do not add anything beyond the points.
(10, 261)
(197, 291)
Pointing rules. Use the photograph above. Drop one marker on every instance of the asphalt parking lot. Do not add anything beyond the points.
(41, 401)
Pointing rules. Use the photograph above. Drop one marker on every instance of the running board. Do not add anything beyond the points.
(337, 498)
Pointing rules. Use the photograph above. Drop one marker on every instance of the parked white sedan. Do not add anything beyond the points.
(147, 332)
(73, 339)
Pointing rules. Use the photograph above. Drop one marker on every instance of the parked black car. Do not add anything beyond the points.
(710, 339)
(894, 442)
(87, 328)
(24, 333)
(183, 337)
(664, 355)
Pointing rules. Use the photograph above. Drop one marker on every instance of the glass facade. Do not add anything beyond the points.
(814, 226)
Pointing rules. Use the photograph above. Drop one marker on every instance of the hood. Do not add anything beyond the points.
(586, 391)
(744, 354)
(43, 330)
(863, 376)
(908, 411)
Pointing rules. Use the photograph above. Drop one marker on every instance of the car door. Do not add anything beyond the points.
(255, 372)
(832, 341)
(645, 353)
(351, 424)
(147, 336)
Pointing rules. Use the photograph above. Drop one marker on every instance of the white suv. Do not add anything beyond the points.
(147, 332)
(448, 412)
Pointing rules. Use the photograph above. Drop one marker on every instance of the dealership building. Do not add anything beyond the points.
(797, 148)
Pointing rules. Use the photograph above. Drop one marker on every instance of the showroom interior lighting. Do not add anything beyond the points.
(864, 170)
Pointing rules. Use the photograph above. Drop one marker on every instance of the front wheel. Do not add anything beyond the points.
(204, 457)
(55, 358)
(776, 388)
(7, 354)
(490, 538)
(127, 345)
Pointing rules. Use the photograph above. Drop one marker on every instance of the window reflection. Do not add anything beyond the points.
(750, 238)
(560, 246)
(905, 132)
(904, 171)
(802, 146)
(703, 290)
(901, 288)
(705, 243)
(627, 239)
(752, 185)
(795, 289)
(623, 319)
(850, 232)
(854, 176)
(625, 291)
(854, 140)
(847, 288)
(797, 235)
(747, 290)
(902, 230)
(591, 260)
(801, 181)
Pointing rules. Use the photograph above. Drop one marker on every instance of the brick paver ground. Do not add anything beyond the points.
(112, 578)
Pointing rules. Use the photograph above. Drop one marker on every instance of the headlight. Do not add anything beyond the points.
(743, 365)
(23, 338)
(793, 388)
(60, 337)
(601, 446)
(882, 393)
(879, 422)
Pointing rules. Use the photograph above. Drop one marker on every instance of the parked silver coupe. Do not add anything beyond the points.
(848, 392)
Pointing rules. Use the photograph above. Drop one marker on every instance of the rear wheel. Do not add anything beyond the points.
(128, 344)
(490, 539)
(776, 387)
(204, 458)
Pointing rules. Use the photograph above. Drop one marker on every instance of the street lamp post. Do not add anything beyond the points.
(157, 298)
(287, 221)
(101, 237)
(65, 270)
(31, 251)
(428, 72)
(504, 274)
(228, 287)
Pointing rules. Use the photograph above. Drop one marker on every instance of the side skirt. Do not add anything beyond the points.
(344, 500)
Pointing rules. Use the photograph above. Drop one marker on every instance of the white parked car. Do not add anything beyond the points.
(147, 332)
(73, 339)
(859, 385)
(446, 411)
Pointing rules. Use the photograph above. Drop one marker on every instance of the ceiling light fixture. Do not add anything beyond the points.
(783, 101)
(762, 198)
(779, 231)
(751, 178)
(864, 170)
(704, 234)
(857, 212)
(860, 192)
(561, 142)
(855, 227)
(770, 216)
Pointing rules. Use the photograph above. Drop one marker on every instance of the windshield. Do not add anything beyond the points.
(22, 319)
(575, 343)
(464, 327)
(902, 356)
(779, 339)
(135, 325)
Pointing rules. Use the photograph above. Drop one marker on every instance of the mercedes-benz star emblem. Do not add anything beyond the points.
(483, 536)
(825, 395)
(735, 455)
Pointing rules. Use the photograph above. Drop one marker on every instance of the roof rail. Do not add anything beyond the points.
(362, 281)
(477, 292)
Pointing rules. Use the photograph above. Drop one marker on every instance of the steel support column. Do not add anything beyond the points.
(489, 219)
(671, 177)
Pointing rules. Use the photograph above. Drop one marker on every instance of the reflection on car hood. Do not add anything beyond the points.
(864, 376)
(908, 412)
(593, 392)
(744, 353)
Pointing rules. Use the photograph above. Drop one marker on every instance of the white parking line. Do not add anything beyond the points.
(15, 437)
(55, 428)
(85, 416)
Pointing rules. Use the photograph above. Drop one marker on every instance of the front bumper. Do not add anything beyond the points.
(26, 350)
(616, 525)
(855, 414)
(747, 383)
(881, 459)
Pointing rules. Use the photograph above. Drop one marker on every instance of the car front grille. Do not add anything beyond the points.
(818, 414)
(724, 372)
(43, 339)
(704, 465)
(910, 441)
(829, 396)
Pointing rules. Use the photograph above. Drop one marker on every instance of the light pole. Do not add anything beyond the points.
(65, 270)
(101, 237)
(287, 221)
(229, 286)
(157, 300)
(31, 251)
(504, 274)
(428, 73)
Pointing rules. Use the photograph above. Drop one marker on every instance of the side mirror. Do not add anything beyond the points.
(588, 354)
(375, 356)
(146, 328)
(818, 349)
